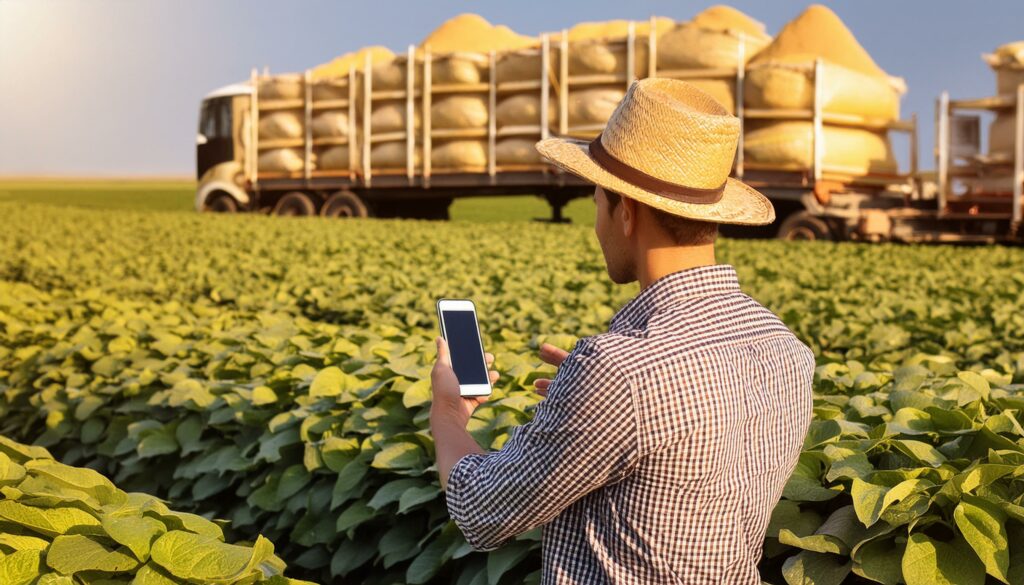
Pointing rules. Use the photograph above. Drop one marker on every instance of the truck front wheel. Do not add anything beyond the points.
(295, 203)
(344, 204)
(802, 225)
(222, 203)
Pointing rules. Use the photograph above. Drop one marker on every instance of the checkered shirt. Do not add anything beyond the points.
(661, 447)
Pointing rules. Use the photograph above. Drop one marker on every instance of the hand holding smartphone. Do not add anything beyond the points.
(459, 327)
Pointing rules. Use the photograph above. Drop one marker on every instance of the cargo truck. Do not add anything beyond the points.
(968, 198)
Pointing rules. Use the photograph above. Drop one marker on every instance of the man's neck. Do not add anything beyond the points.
(657, 262)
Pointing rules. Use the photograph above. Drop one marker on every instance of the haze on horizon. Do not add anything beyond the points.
(112, 87)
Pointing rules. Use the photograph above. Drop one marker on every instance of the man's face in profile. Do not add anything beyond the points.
(608, 228)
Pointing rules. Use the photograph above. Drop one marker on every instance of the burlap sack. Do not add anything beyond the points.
(516, 151)
(330, 124)
(689, 46)
(391, 76)
(593, 105)
(843, 91)
(280, 160)
(524, 110)
(1008, 63)
(1001, 136)
(281, 87)
(392, 155)
(390, 117)
(455, 154)
(851, 151)
(280, 124)
(459, 111)
(523, 65)
(603, 56)
(459, 68)
(330, 89)
(333, 158)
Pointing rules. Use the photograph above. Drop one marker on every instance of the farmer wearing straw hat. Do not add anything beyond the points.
(662, 445)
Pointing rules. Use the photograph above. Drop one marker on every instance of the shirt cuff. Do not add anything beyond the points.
(456, 495)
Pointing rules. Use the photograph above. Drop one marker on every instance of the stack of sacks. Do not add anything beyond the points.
(595, 49)
(781, 76)
(280, 124)
(339, 66)
(1008, 63)
(460, 56)
(711, 41)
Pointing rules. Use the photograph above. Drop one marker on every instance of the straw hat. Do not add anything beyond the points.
(671, 146)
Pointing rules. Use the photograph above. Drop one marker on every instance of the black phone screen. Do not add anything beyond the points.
(464, 345)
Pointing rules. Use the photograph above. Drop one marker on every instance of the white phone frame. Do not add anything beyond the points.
(465, 305)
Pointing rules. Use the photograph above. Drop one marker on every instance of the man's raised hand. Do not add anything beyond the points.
(551, 355)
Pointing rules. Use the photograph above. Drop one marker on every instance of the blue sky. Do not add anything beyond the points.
(112, 87)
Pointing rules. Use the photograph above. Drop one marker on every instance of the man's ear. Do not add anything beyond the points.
(628, 206)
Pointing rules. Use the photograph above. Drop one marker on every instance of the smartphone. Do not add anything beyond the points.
(457, 319)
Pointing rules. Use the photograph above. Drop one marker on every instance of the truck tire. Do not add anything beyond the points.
(221, 203)
(802, 225)
(344, 204)
(295, 203)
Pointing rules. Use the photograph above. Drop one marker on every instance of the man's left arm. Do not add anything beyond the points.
(583, 436)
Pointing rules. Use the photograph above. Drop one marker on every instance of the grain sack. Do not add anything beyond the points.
(600, 56)
(516, 151)
(711, 40)
(281, 87)
(524, 65)
(524, 110)
(454, 154)
(1008, 63)
(392, 155)
(459, 111)
(391, 76)
(459, 68)
(818, 32)
(593, 105)
(390, 117)
(339, 66)
(279, 160)
(330, 89)
(472, 32)
(851, 151)
(843, 91)
(280, 124)
(330, 124)
(614, 29)
(781, 75)
(1001, 136)
(333, 158)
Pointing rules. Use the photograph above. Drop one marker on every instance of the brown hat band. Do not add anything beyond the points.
(649, 183)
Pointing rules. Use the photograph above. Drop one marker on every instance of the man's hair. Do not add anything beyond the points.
(685, 231)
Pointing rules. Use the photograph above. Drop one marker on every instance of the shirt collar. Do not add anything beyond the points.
(672, 288)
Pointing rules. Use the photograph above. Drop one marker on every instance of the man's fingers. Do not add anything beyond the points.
(493, 376)
(488, 357)
(552, 355)
(542, 391)
(542, 383)
(442, 351)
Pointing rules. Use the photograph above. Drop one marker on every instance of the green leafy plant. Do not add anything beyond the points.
(274, 373)
(69, 525)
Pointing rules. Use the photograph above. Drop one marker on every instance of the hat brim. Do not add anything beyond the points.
(740, 203)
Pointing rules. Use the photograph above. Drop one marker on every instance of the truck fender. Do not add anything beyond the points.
(206, 189)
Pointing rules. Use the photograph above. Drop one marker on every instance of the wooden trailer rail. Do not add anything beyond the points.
(554, 78)
(947, 152)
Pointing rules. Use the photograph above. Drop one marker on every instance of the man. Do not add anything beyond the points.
(661, 446)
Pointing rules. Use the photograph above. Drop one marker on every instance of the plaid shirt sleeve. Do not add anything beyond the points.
(583, 436)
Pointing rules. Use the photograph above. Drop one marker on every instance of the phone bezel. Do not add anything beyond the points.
(464, 305)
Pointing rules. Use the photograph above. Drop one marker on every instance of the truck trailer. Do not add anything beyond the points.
(968, 198)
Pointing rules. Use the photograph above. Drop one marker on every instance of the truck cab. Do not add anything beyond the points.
(220, 149)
